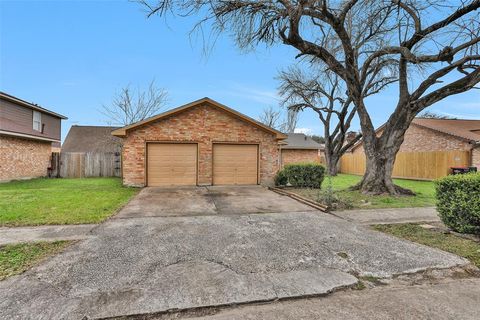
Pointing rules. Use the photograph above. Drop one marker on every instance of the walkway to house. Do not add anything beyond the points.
(44, 233)
(390, 216)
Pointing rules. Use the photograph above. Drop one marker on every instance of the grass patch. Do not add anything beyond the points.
(468, 249)
(17, 258)
(61, 201)
(347, 199)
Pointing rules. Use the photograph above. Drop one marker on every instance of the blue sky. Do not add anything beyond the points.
(72, 56)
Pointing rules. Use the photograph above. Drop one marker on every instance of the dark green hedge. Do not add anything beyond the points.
(458, 202)
(302, 175)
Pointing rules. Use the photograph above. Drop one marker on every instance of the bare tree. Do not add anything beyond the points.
(273, 117)
(434, 115)
(434, 45)
(290, 123)
(324, 94)
(270, 116)
(129, 106)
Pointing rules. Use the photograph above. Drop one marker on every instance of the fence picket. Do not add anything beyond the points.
(412, 165)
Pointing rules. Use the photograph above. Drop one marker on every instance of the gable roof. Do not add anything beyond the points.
(33, 106)
(91, 139)
(122, 132)
(465, 129)
(460, 128)
(301, 141)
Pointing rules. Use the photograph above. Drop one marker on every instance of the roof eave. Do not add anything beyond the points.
(119, 133)
(302, 148)
(16, 100)
(122, 132)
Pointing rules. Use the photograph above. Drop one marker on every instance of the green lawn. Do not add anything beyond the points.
(61, 201)
(468, 249)
(425, 191)
(17, 258)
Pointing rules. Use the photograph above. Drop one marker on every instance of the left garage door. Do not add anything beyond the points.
(171, 164)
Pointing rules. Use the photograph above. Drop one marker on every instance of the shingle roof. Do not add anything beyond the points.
(122, 132)
(91, 139)
(301, 141)
(466, 129)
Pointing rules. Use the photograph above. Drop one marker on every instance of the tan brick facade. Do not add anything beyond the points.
(476, 157)
(203, 124)
(23, 159)
(422, 139)
(299, 155)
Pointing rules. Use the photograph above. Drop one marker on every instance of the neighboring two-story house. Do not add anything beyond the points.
(28, 133)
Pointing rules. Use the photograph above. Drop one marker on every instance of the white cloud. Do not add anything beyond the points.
(306, 131)
(255, 94)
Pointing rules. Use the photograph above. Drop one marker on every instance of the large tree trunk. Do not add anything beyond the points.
(380, 152)
(332, 164)
(378, 175)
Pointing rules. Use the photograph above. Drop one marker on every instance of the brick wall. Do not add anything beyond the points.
(204, 125)
(23, 159)
(476, 157)
(299, 155)
(421, 139)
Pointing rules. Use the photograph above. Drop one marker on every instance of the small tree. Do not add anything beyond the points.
(324, 94)
(130, 106)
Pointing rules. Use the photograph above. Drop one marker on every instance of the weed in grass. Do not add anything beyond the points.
(359, 285)
(16, 258)
(449, 242)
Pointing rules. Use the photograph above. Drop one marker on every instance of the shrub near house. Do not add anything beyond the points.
(458, 202)
(302, 175)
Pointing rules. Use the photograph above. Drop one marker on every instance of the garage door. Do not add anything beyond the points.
(235, 164)
(171, 164)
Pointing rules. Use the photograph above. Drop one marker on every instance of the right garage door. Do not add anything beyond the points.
(235, 164)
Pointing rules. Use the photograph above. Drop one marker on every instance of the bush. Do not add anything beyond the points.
(281, 178)
(303, 175)
(458, 202)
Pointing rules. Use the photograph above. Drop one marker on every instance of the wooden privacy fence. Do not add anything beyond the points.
(90, 164)
(412, 165)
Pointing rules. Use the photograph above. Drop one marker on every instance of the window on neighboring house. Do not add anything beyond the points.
(37, 121)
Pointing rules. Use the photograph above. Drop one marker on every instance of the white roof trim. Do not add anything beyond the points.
(29, 136)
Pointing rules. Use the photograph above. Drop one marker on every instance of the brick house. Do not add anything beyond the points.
(425, 135)
(300, 148)
(200, 143)
(28, 133)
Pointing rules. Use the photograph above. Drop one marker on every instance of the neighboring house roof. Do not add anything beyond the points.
(465, 129)
(301, 141)
(122, 132)
(91, 139)
(33, 106)
(460, 128)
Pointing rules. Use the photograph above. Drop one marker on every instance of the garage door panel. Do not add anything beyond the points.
(171, 164)
(235, 164)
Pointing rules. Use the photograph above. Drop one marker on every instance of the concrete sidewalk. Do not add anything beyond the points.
(390, 216)
(454, 299)
(45, 233)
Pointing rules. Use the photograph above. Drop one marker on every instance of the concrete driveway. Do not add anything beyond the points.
(215, 200)
(139, 263)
